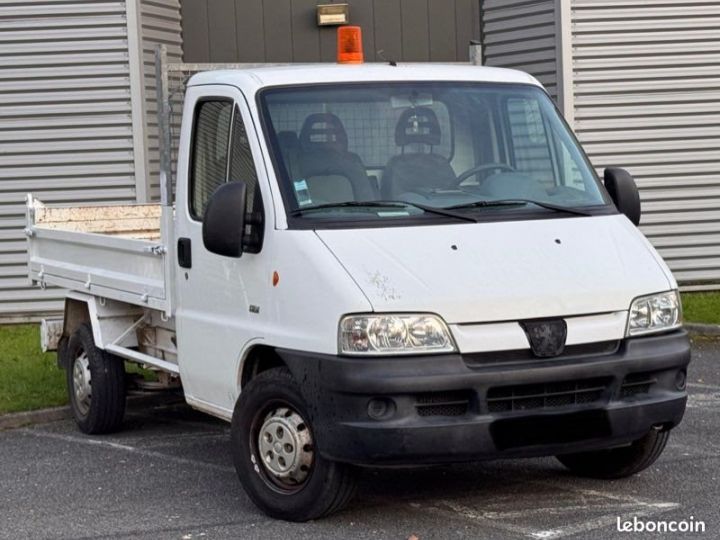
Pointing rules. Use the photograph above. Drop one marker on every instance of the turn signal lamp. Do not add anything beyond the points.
(349, 45)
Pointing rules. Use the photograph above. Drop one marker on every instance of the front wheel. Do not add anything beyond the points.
(275, 456)
(95, 383)
(618, 462)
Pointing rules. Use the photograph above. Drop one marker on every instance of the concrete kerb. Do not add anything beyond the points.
(703, 330)
(53, 414)
(41, 416)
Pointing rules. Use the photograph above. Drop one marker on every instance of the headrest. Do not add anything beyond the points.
(417, 125)
(288, 140)
(323, 130)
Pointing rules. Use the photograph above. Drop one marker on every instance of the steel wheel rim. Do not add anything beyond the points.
(82, 383)
(283, 448)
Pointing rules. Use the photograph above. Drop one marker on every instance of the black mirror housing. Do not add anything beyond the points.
(624, 192)
(223, 225)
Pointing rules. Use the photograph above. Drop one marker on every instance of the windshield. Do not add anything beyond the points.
(472, 149)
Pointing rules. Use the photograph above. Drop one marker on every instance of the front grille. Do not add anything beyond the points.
(636, 384)
(601, 348)
(546, 395)
(443, 403)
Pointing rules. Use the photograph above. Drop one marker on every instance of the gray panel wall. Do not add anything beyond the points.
(77, 117)
(522, 34)
(160, 23)
(66, 129)
(646, 82)
(286, 30)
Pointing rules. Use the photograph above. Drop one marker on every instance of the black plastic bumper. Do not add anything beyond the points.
(443, 408)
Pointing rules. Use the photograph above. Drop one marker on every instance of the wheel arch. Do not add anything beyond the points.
(108, 319)
(258, 358)
(76, 313)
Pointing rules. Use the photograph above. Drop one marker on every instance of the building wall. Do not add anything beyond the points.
(66, 129)
(160, 23)
(646, 84)
(76, 91)
(639, 83)
(522, 34)
(286, 30)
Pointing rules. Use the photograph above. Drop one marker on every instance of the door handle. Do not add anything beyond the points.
(184, 252)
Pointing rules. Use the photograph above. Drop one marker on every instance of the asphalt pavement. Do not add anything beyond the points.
(169, 474)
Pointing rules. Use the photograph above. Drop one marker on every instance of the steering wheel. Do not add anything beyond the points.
(484, 167)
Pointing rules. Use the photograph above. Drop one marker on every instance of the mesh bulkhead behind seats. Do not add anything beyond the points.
(417, 172)
(332, 173)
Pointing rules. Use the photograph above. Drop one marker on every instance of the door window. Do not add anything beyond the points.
(221, 153)
(210, 152)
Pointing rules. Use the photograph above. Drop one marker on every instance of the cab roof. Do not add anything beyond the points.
(297, 74)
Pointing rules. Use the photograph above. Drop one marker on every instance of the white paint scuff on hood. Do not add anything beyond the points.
(503, 271)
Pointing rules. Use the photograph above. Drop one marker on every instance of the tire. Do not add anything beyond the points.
(95, 383)
(270, 401)
(621, 462)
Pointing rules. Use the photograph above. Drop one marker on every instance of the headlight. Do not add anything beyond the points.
(654, 313)
(394, 334)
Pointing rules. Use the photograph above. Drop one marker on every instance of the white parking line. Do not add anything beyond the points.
(701, 401)
(126, 448)
(600, 522)
(705, 386)
(526, 512)
(612, 505)
(556, 484)
(456, 509)
(147, 441)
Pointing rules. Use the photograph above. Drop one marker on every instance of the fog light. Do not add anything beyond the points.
(380, 408)
(680, 379)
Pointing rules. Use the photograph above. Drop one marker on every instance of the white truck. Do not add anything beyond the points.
(376, 265)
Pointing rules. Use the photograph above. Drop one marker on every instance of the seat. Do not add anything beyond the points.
(417, 172)
(332, 173)
(290, 149)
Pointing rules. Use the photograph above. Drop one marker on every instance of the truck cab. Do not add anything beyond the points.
(385, 265)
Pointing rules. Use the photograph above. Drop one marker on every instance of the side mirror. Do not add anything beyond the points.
(223, 225)
(624, 193)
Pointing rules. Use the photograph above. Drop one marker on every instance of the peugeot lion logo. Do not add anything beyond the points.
(547, 338)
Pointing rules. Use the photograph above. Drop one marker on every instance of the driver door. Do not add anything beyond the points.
(217, 295)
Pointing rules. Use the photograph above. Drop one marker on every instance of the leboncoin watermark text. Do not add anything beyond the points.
(636, 525)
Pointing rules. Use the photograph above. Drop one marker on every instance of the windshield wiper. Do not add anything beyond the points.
(441, 212)
(509, 202)
(349, 204)
(385, 204)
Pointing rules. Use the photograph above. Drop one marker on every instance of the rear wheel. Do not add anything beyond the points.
(96, 384)
(618, 462)
(275, 454)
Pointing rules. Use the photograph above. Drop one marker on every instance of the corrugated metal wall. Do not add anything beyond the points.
(160, 23)
(646, 82)
(644, 86)
(65, 123)
(76, 91)
(522, 34)
(287, 31)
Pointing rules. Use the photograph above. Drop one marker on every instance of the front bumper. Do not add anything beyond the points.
(445, 408)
